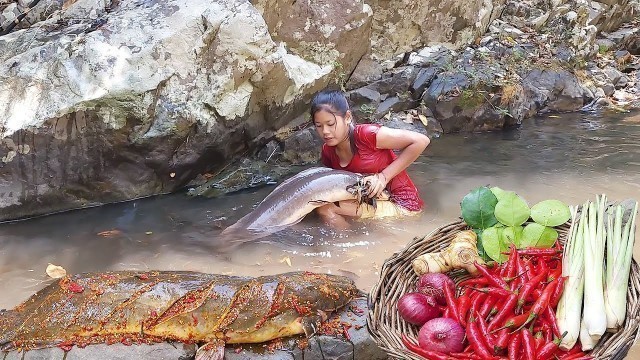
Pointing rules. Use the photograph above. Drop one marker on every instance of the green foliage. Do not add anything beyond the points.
(496, 216)
(478, 208)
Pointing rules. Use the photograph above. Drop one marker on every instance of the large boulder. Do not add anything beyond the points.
(404, 25)
(106, 101)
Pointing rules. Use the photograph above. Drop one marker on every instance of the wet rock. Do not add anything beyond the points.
(187, 93)
(553, 90)
(423, 80)
(608, 89)
(437, 56)
(363, 102)
(303, 147)
(366, 72)
(396, 81)
(167, 351)
(394, 104)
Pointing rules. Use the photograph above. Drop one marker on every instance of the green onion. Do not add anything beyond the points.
(570, 306)
(619, 255)
(595, 317)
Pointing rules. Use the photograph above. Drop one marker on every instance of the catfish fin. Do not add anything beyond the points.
(310, 325)
(213, 350)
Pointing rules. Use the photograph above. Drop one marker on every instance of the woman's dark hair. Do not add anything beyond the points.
(335, 103)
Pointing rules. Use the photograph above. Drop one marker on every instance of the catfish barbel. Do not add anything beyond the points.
(155, 306)
(296, 197)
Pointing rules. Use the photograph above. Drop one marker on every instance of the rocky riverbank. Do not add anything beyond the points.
(105, 100)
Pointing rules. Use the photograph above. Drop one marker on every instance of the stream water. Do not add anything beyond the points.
(570, 157)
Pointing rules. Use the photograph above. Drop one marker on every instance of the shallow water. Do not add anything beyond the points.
(567, 157)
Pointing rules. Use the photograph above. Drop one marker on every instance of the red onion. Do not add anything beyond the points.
(417, 308)
(442, 334)
(433, 284)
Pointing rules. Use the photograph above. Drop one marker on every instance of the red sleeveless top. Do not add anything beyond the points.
(370, 160)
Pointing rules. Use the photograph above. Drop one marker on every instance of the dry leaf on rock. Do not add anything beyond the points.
(423, 119)
(55, 271)
(287, 260)
(408, 119)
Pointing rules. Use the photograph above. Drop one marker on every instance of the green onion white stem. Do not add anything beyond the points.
(619, 255)
(570, 306)
(587, 341)
(595, 317)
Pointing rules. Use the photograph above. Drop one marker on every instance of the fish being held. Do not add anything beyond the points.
(147, 307)
(296, 197)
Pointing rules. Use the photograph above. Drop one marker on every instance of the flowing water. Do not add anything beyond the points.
(568, 157)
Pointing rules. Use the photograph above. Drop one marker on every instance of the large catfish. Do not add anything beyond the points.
(296, 197)
(134, 307)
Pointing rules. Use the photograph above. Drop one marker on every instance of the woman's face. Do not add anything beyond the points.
(333, 129)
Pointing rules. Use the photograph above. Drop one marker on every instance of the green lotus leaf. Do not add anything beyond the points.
(493, 245)
(499, 193)
(512, 210)
(540, 236)
(478, 208)
(550, 213)
(512, 235)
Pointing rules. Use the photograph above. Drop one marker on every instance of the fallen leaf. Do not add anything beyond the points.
(149, 232)
(554, 116)
(172, 174)
(423, 119)
(408, 119)
(287, 260)
(55, 271)
(388, 116)
(110, 233)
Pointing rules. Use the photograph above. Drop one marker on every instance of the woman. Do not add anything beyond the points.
(366, 149)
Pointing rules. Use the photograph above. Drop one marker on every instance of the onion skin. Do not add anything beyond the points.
(417, 308)
(444, 335)
(433, 284)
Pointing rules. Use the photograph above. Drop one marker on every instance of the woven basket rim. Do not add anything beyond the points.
(397, 277)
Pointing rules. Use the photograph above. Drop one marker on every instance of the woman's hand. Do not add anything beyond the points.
(376, 184)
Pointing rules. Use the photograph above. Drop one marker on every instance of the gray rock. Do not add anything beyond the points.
(613, 74)
(303, 147)
(423, 80)
(363, 101)
(622, 82)
(366, 72)
(396, 81)
(164, 351)
(608, 89)
(394, 104)
(553, 90)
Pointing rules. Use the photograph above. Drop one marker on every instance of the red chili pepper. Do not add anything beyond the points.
(539, 251)
(493, 279)
(514, 322)
(553, 321)
(511, 264)
(476, 340)
(429, 355)
(477, 303)
(527, 288)
(492, 291)
(538, 340)
(529, 344)
(506, 310)
(502, 342)
(488, 304)
(474, 281)
(554, 274)
(450, 297)
(542, 302)
(557, 293)
(548, 350)
(514, 347)
(484, 330)
(466, 355)
(464, 304)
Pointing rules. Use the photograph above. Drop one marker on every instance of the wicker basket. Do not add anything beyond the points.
(397, 278)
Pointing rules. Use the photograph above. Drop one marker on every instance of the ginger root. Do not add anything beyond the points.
(461, 254)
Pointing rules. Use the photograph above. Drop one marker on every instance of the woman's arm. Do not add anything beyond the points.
(410, 143)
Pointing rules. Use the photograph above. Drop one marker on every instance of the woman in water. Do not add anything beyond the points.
(366, 149)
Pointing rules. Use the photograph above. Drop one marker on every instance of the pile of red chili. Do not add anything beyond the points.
(509, 310)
